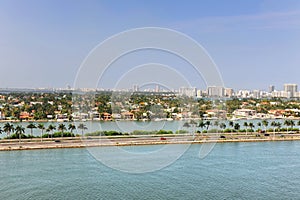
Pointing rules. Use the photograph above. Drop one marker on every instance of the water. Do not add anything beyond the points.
(266, 170)
(129, 126)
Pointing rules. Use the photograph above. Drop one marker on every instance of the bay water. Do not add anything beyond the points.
(256, 170)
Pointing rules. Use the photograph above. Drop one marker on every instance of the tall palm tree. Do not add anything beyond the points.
(216, 123)
(251, 125)
(19, 131)
(265, 123)
(42, 128)
(207, 124)
(223, 126)
(246, 125)
(231, 124)
(82, 127)
(201, 125)
(274, 124)
(237, 127)
(278, 124)
(8, 128)
(51, 128)
(287, 123)
(62, 128)
(292, 124)
(259, 125)
(31, 126)
(71, 127)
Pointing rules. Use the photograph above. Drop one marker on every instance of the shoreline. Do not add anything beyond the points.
(77, 142)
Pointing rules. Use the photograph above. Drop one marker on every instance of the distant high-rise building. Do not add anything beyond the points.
(228, 92)
(215, 91)
(256, 94)
(271, 88)
(136, 88)
(291, 89)
(188, 91)
(157, 88)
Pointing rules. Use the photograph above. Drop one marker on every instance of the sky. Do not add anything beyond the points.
(254, 43)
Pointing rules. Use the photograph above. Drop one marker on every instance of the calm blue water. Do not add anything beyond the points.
(129, 126)
(269, 170)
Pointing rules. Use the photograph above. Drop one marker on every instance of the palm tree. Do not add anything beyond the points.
(278, 124)
(237, 127)
(42, 128)
(8, 128)
(259, 125)
(265, 123)
(223, 126)
(292, 124)
(201, 125)
(19, 131)
(251, 125)
(246, 125)
(287, 123)
(216, 123)
(274, 124)
(31, 126)
(1, 130)
(71, 127)
(62, 128)
(231, 124)
(51, 128)
(207, 124)
(82, 127)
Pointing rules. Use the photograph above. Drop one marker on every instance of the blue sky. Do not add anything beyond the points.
(254, 43)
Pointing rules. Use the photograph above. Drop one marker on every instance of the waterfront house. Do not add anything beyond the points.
(106, 116)
(244, 113)
(128, 115)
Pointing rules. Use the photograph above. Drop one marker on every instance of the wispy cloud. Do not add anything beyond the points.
(263, 21)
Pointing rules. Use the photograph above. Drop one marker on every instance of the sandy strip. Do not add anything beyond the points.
(8, 145)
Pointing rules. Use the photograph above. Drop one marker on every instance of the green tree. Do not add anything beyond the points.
(201, 125)
(207, 124)
(42, 128)
(62, 128)
(82, 127)
(251, 125)
(231, 124)
(8, 128)
(19, 131)
(71, 127)
(246, 125)
(31, 126)
(223, 126)
(259, 124)
(265, 123)
(51, 129)
(287, 123)
(273, 124)
(237, 127)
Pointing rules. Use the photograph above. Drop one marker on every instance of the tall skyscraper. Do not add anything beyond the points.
(291, 89)
(186, 91)
(215, 91)
(271, 88)
(136, 88)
